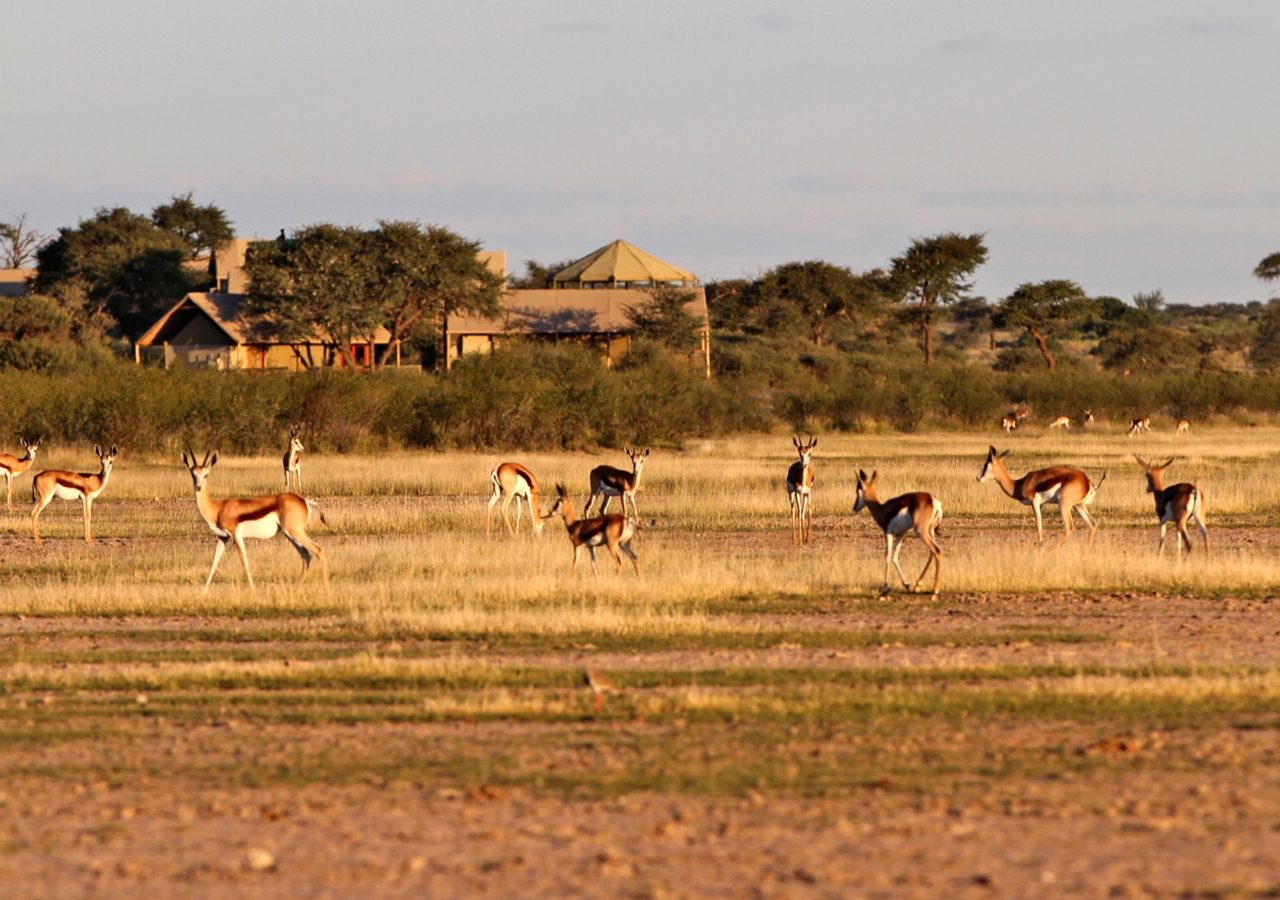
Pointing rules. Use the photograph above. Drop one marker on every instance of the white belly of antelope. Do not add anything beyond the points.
(263, 528)
(901, 523)
(1050, 496)
(66, 493)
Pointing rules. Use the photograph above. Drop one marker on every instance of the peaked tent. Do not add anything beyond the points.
(620, 263)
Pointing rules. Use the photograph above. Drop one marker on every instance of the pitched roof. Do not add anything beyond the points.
(599, 311)
(224, 311)
(620, 261)
(13, 282)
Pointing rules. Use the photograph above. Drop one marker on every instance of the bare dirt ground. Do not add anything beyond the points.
(122, 805)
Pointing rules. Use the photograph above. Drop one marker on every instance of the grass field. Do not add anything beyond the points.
(1070, 720)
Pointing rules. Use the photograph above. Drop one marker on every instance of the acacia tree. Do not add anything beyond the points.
(317, 283)
(424, 274)
(664, 317)
(1269, 268)
(1042, 309)
(18, 243)
(815, 293)
(935, 271)
(117, 263)
(201, 228)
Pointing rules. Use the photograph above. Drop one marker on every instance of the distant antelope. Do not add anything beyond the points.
(918, 512)
(1175, 504)
(1183, 427)
(800, 490)
(512, 481)
(1009, 423)
(1137, 426)
(609, 482)
(599, 684)
(63, 485)
(293, 458)
(1061, 422)
(1068, 487)
(1086, 421)
(12, 466)
(238, 518)
(615, 532)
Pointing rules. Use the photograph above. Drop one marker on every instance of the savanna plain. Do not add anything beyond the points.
(1071, 720)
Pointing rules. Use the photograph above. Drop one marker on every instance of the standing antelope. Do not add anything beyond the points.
(1137, 426)
(1175, 504)
(609, 482)
(800, 490)
(1069, 488)
(63, 485)
(11, 466)
(293, 458)
(234, 519)
(917, 512)
(1086, 421)
(512, 481)
(1009, 423)
(613, 531)
(1061, 422)
(1183, 427)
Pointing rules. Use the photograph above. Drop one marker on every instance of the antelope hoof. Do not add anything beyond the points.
(885, 590)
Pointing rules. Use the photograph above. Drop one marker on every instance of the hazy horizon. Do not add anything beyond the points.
(1124, 146)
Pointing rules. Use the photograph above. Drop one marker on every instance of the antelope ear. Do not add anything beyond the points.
(795, 441)
(1168, 462)
(213, 459)
(646, 451)
(862, 476)
(874, 473)
(185, 462)
(1005, 453)
(1142, 462)
(813, 442)
(97, 450)
(991, 452)
(114, 451)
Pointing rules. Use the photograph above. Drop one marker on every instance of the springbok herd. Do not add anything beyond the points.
(233, 520)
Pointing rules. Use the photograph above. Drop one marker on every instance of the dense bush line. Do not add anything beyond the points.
(561, 397)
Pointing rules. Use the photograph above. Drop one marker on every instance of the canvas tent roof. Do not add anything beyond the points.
(620, 262)
(13, 282)
(602, 311)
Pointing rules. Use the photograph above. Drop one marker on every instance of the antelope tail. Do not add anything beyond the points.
(313, 507)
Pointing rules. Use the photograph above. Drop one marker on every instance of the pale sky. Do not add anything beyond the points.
(1126, 145)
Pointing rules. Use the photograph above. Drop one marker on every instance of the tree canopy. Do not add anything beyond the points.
(345, 283)
(18, 243)
(811, 296)
(935, 271)
(201, 228)
(1269, 268)
(1042, 309)
(662, 317)
(118, 263)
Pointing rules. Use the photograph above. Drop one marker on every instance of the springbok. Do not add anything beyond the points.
(609, 482)
(1061, 422)
(1175, 504)
(918, 512)
(1009, 423)
(1139, 425)
(238, 518)
(512, 481)
(1069, 488)
(800, 490)
(293, 458)
(614, 531)
(82, 486)
(13, 466)
(1086, 421)
(1183, 427)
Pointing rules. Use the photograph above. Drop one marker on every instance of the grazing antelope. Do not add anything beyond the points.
(609, 482)
(1061, 422)
(11, 466)
(1175, 504)
(1137, 426)
(1069, 488)
(613, 531)
(918, 512)
(800, 490)
(293, 458)
(1086, 421)
(1183, 427)
(82, 486)
(599, 684)
(512, 481)
(237, 518)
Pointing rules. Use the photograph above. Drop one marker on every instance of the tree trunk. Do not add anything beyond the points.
(1042, 341)
(926, 328)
